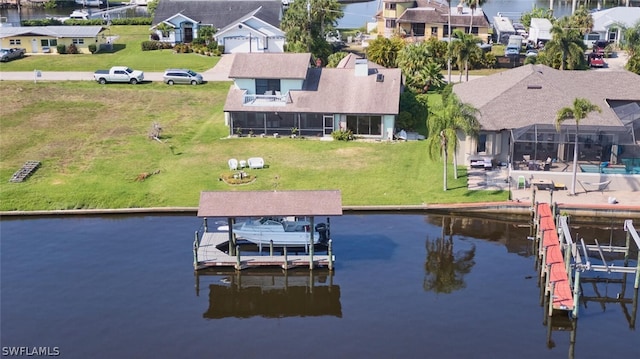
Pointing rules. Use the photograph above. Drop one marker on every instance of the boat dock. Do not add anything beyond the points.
(206, 254)
(563, 261)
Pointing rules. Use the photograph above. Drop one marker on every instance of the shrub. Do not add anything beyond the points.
(93, 48)
(72, 49)
(62, 49)
(342, 135)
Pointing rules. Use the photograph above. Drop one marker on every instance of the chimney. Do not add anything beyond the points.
(362, 67)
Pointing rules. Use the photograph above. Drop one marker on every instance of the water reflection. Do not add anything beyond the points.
(271, 294)
(444, 269)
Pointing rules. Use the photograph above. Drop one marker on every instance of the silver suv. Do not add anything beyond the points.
(181, 76)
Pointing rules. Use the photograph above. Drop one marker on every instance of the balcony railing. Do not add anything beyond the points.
(266, 100)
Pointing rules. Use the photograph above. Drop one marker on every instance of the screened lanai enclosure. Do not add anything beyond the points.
(596, 145)
(282, 123)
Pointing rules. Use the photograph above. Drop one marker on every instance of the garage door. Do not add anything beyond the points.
(234, 45)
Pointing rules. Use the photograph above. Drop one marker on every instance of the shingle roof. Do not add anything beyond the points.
(219, 13)
(328, 90)
(270, 203)
(349, 62)
(627, 16)
(270, 65)
(55, 31)
(532, 94)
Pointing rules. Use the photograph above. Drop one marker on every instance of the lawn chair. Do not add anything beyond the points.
(598, 186)
(255, 162)
(233, 164)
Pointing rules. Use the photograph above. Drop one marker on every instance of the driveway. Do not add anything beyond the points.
(616, 62)
(220, 72)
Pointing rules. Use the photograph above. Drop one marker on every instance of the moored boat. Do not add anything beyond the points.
(283, 232)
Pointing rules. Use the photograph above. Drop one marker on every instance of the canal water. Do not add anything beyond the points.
(405, 286)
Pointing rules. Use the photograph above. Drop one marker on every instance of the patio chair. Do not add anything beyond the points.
(233, 164)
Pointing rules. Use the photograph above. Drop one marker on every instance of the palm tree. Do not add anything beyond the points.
(385, 51)
(428, 77)
(413, 57)
(580, 110)
(446, 120)
(473, 5)
(463, 49)
(567, 42)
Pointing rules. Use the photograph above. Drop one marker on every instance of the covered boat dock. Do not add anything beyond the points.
(208, 246)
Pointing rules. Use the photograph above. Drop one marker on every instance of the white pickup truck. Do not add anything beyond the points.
(119, 74)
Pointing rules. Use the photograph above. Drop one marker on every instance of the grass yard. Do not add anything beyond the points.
(93, 143)
(127, 52)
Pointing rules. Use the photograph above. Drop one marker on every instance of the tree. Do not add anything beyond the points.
(152, 5)
(631, 43)
(335, 58)
(580, 110)
(306, 23)
(417, 66)
(444, 123)
(568, 44)
(206, 33)
(581, 20)
(473, 4)
(427, 77)
(463, 48)
(385, 51)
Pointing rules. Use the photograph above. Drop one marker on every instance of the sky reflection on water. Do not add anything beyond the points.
(105, 287)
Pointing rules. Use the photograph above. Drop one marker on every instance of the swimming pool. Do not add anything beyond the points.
(609, 170)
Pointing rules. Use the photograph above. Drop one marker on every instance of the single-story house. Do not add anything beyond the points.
(45, 39)
(423, 19)
(267, 98)
(608, 23)
(518, 107)
(240, 25)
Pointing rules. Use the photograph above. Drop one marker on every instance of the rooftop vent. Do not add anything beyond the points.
(534, 87)
(379, 78)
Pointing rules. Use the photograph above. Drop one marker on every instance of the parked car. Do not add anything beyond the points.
(182, 76)
(599, 47)
(119, 74)
(531, 53)
(509, 51)
(596, 60)
(11, 54)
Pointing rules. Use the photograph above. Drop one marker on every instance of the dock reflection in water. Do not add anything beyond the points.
(270, 294)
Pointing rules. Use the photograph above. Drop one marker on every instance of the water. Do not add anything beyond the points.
(13, 17)
(357, 15)
(124, 287)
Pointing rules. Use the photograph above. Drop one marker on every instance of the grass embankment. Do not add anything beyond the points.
(127, 52)
(92, 141)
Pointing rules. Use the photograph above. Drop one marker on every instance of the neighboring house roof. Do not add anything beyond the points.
(219, 13)
(436, 12)
(533, 94)
(349, 62)
(270, 65)
(53, 31)
(325, 90)
(604, 19)
(255, 24)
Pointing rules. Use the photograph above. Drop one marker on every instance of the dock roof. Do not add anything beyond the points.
(270, 203)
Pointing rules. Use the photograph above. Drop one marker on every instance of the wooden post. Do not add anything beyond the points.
(238, 265)
(271, 247)
(330, 252)
(576, 294)
(232, 237)
(553, 288)
(328, 228)
(286, 261)
(311, 244)
(195, 251)
(206, 227)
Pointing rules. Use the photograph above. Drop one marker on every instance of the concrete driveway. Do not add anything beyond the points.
(220, 72)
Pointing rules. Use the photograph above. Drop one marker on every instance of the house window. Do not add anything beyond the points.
(264, 85)
(434, 31)
(365, 125)
(417, 29)
(390, 6)
(14, 42)
(474, 30)
(482, 143)
(77, 41)
(390, 24)
(48, 42)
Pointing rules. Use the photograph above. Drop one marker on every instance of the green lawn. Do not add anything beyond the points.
(93, 143)
(127, 52)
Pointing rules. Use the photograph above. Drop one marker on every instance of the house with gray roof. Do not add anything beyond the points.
(45, 39)
(240, 25)
(517, 113)
(608, 24)
(267, 98)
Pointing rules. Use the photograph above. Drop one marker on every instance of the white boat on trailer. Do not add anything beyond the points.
(282, 232)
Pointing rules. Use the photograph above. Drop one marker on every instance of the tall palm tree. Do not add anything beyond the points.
(567, 42)
(473, 5)
(413, 57)
(444, 122)
(580, 110)
(463, 48)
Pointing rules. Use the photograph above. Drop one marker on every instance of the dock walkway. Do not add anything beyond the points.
(207, 254)
(555, 268)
